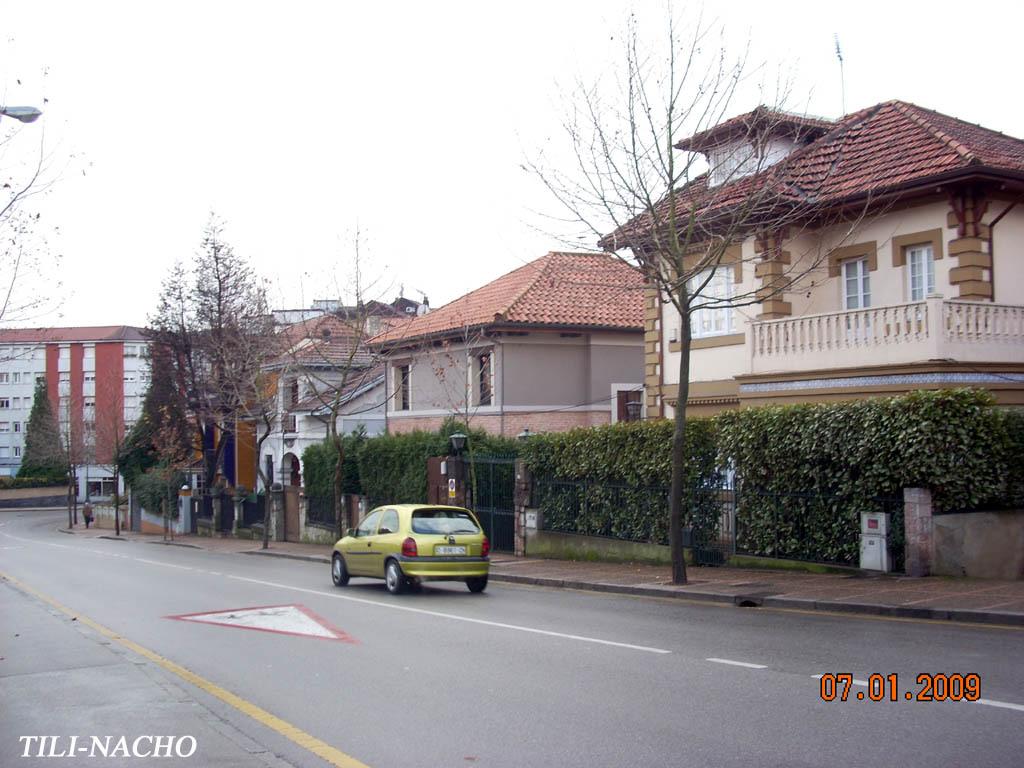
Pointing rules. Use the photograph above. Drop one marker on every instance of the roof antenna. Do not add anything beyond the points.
(842, 75)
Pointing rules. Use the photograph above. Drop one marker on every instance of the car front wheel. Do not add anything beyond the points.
(394, 578)
(339, 573)
(477, 584)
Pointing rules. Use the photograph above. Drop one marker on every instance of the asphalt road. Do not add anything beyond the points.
(518, 676)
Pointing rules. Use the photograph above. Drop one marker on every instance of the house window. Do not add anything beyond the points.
(17, 451)
(17, 378)
(4, 452)
(4, 378)
(293, 393)
(5, 402)
(5, 426)
(485, 378)
(921, 263)
(17, 426)
(402, 388)
(857, 284)
(712, 321)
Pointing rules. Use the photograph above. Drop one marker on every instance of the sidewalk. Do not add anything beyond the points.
(938, 598)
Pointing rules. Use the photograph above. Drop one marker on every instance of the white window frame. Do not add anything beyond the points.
(716, 321)
(920, 271)
(856, 274)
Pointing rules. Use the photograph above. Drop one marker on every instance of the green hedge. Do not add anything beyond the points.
(319, 461)
(847, 455)
(31, 482)
(638, 453)
(614, 480)
(393, 468)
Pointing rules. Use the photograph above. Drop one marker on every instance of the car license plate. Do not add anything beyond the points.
(449, 550)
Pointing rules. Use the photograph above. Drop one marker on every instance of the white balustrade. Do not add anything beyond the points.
(901, 333)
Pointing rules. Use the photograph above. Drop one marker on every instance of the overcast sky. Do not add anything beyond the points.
(298, 121)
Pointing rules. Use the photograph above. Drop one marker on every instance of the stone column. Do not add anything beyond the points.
(185, 510)
(522, 494)
(918, 531)
(276, 512)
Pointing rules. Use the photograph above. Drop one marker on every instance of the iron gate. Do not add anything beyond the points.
(492, 480)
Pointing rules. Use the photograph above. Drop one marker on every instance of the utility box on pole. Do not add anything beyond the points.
(874, 534)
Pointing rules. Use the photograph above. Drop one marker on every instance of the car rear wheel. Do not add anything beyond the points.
(477, 584)
(339, 573)
(394, 578)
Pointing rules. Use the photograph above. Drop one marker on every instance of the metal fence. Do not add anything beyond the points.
(814, 527)
(320, 511)
(494, 480)
(720, 520)
(253, 509)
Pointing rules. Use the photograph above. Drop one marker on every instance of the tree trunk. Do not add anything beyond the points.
(675, 530)
(339, 478)
(117, 503)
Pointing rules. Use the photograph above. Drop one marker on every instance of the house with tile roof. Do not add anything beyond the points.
(926, 289)
(324, 369)
(552, 345)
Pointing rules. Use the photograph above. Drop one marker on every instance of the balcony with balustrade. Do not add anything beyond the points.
(935, 329)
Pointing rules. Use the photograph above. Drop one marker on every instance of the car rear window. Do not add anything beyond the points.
(443, 521)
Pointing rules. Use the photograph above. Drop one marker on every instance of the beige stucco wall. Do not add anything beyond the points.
(988, 545)
(1007, 260)
(532, 372)
(817, 292)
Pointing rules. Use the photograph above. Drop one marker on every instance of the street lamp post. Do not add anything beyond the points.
(22, 114)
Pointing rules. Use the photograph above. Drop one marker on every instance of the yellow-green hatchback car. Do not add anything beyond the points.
(407, 544)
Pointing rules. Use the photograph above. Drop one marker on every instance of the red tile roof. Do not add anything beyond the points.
(564, 290)
(885, 148)
(76, 334)
(324, 341)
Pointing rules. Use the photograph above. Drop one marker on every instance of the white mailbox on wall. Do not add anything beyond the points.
(874, 532)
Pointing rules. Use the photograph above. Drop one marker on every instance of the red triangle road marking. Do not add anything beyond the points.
(292, 619)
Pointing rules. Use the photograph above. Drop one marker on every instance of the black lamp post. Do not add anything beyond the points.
(458, 443)
(633, 410)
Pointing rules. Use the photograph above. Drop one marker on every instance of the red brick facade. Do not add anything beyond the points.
(508, 424)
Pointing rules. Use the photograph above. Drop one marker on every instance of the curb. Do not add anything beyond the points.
(112, 538)
(287, 555)
(759, 600)
(170, 544)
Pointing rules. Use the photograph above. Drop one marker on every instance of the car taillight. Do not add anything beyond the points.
(485, 548)
(409, 547)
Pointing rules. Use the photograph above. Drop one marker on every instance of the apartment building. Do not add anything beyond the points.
(96, 378)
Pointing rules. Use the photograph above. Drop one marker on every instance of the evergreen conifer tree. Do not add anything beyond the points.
(43, 456)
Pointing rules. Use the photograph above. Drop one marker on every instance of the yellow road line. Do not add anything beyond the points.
(296, 735)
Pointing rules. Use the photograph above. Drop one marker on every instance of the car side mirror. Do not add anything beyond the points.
(382, 531)
(350, 532)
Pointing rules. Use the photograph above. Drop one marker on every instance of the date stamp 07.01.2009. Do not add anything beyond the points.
(843, 686)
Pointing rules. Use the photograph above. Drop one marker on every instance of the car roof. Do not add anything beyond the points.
(412, 507)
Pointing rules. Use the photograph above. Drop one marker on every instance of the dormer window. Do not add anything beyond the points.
(751, 142)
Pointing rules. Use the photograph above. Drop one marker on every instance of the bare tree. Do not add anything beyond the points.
(680, 219)
(328, 356)
(107, 438)
(210, 318)
(28, 273)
